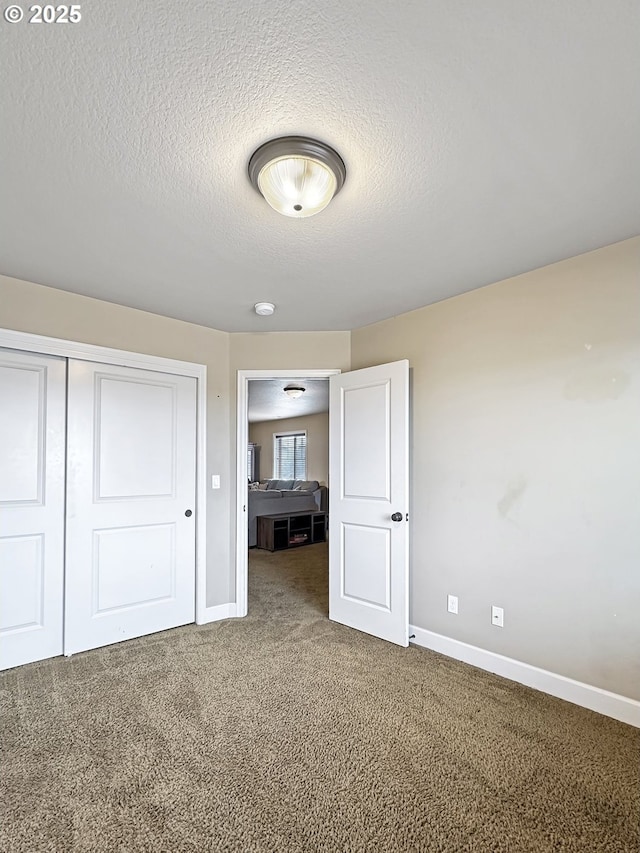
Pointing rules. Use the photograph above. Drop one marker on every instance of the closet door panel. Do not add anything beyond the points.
(32, 461)
(130, 504)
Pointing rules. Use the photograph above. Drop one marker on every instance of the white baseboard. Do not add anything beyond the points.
(217, 612)
(594, 698)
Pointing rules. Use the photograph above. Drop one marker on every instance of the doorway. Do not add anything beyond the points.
(369, 475)
(270, 384)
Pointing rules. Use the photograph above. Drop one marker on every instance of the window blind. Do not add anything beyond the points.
(251, 463)
(290, 456)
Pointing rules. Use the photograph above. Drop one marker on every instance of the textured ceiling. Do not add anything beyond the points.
(481, 140)
(268, 402)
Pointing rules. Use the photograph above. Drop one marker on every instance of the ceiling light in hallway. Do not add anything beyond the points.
(294, 391)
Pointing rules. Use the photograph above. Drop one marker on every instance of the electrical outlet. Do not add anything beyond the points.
(452, 603)
(497, 616)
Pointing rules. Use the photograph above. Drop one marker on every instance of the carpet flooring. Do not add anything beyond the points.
(286, 732)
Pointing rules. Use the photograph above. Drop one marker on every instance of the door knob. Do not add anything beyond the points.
(188, 513)
(397, 516)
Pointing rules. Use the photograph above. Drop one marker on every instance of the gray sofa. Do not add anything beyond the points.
(272, 497)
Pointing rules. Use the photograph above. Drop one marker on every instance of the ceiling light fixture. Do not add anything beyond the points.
(264, 309)
(294, 391)
(297, 176)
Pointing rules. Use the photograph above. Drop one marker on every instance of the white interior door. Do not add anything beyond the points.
(131, 463)
(369, 501)
(32, 455)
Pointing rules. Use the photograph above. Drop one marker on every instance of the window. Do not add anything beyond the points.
(290, 455)
(253, 465)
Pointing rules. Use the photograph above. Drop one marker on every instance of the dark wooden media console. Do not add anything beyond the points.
(291, 530)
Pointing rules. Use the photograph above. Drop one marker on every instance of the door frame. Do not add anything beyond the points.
(25, 341)
(242, 436)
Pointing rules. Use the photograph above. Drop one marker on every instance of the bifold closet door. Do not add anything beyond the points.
(32, 457)
(131, 464)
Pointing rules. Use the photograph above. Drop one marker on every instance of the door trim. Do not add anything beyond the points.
(10, 339)
(242, 435)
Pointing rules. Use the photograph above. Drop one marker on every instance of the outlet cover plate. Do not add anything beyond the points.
(497, 616)
(452, 603)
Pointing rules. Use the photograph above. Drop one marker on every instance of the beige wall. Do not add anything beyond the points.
(40, 310)
(290, 351)
(526, 471)
(525, 461)
(317, 427)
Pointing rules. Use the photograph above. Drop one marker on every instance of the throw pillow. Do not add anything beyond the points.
(306, 485)
(253, 487)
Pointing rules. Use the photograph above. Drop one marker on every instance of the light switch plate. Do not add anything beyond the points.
(215, 481)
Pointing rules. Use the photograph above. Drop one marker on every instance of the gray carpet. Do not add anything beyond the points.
(285, 732)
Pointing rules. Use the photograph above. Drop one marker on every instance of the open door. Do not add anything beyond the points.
(369, 504)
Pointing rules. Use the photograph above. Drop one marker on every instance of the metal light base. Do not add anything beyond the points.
(297, 146)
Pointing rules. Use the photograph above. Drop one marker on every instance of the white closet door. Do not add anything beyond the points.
(130, 567)
(32, 449)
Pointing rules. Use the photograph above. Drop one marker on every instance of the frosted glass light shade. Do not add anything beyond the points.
(297, 186)
(296, 175)
(294, 391)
